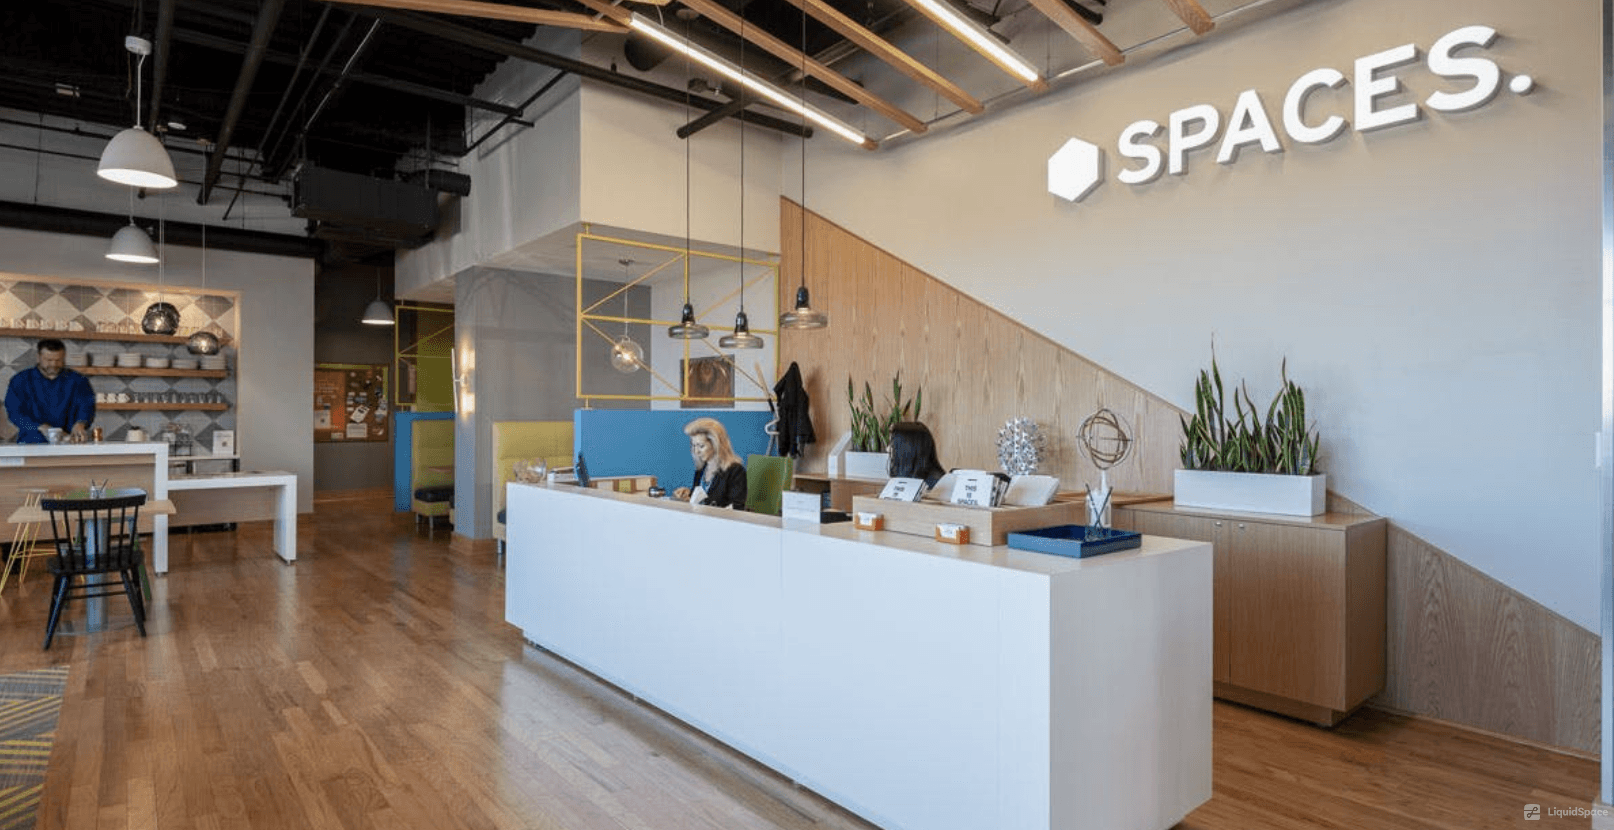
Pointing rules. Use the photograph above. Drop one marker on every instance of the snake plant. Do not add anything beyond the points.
(1281, 442)
(871, 424)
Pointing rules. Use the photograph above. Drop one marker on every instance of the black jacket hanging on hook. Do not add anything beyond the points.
(795, 417)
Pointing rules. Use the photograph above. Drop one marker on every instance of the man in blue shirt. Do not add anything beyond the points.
(48, 396)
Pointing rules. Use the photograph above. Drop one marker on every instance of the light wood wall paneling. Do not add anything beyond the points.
(977, 367)
(1461, 647)
(1465, 648)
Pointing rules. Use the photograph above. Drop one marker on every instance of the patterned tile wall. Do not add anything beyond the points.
(60, 310)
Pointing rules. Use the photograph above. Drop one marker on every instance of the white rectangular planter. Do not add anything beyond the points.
(1253, 492)
(867, 465)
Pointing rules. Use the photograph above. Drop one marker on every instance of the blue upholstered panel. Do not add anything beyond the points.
(634, 442)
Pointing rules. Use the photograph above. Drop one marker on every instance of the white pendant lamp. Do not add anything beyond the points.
(135, 157)
(377, 313)
(131, 244)
(803, 316)
(741, 337)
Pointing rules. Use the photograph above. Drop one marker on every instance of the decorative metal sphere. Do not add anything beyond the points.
(1104, 439)
(1021, 446)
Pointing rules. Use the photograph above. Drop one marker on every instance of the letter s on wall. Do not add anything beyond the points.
(1487, 76)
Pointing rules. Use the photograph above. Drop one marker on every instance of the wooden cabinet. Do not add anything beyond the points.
(1299, 604)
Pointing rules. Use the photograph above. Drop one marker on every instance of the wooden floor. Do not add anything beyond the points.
(373, 684)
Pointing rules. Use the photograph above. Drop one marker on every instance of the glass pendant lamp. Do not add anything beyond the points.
(803, 316)
(741, 337)
(626, 355)
(687, 328)
(203, 342)
(161, 317)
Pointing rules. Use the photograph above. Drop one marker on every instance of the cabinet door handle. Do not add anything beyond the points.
(1218, 524)
(1241, 525)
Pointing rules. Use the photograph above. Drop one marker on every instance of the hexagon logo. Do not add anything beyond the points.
(1074, 170)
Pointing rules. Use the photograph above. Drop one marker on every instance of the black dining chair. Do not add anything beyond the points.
(95, 537)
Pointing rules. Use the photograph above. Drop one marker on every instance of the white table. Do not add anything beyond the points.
(918, 684)
(214, 498)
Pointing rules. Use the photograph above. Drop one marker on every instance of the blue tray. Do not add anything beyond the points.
(1075, 540)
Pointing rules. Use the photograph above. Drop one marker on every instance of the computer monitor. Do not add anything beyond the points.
(582, 471)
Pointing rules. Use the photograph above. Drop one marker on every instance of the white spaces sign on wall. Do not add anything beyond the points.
(1078, 167)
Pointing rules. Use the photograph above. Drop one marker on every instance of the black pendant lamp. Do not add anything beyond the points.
(741, 337)
(803, 316)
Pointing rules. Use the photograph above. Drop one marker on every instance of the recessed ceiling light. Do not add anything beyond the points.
(176, 125)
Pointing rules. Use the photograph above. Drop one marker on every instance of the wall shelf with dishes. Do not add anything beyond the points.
(151, 373)
(167, 407)
(119, 336)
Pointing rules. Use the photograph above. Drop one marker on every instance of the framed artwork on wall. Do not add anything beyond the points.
(708, 382)
(350, 402)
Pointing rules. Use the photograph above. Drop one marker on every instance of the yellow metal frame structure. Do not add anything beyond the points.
(586, 319)
(409, 353)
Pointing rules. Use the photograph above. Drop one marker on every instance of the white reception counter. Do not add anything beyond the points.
(918, 684)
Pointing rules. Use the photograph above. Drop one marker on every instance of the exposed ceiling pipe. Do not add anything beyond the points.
(341, 79)
(280, 129)
(296, 73)
(268, 16)
(227, 45)
(500, 46)
(165, 32)
(102, 225)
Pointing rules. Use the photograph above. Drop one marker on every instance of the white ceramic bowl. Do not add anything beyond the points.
(156, 363)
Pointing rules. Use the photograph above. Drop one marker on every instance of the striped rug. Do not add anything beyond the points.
(29, 704)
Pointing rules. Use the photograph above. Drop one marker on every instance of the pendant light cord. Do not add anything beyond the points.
(140, 67)
(688, 79)
(801, 266)
(740, 116)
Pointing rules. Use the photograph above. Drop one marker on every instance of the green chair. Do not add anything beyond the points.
(766, 476)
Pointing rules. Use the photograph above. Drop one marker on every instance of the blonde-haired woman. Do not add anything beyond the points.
(719, 473)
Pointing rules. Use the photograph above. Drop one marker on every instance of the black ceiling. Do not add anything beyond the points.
(68, 59)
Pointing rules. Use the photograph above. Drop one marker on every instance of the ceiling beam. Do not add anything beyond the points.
(268, 16)
(497, 11)
(1193, 14)
(1079, 28)
(881, 48)
(501, 46)
(159, 72)
(779, 49)
(1035, 83)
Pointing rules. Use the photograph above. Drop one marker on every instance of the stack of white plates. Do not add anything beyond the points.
(156, 363)
(185, 363)
(79, 359)
(128, 360)
(102, 360)
(212, 362)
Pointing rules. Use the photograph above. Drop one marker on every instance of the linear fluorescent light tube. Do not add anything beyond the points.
(734, 73)
(982, 39)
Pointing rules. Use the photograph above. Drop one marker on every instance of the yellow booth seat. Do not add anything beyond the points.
(524, 441)
(431, 475)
